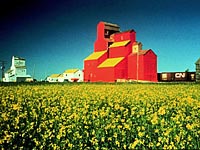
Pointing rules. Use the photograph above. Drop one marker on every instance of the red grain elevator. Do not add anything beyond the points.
(118, 56)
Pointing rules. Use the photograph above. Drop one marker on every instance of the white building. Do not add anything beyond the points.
(60, 78)
(17, 71)
(53, 78)
(197, 70)
(70, 75)
(73, 75)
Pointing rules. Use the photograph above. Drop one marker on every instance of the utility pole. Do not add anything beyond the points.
(33, 71)
(2, 63)
(137, 64)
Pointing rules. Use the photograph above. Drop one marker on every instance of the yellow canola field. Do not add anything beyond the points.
(100, 116)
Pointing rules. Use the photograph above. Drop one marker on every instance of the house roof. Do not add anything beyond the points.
(54, 75)
(110, 62)
(95, 55)
(61, 75)
(71, 71)
(117, 44)
(198, 61)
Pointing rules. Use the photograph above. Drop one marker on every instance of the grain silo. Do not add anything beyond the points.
(118, 56)
(17, 71)
(198, 70)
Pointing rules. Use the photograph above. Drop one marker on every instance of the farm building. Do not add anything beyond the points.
(73, 75)
(53, 78)
(118, 56)
(197, 70)
(70, 75)
(17, 71)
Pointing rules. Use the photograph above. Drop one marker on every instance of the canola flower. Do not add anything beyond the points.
(100, 116)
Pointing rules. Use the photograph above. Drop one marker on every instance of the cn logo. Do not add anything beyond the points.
(179, 75)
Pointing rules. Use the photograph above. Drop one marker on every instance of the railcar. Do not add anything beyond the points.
(177, 77)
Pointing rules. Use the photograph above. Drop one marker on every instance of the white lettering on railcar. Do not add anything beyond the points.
(179, 75)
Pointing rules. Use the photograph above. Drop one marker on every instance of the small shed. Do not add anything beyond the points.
(197, 70)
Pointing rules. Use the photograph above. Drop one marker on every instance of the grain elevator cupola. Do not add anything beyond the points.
(104, 32)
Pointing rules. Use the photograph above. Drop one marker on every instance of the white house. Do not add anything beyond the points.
(17, 71)
(53, 78)
(70, 75)
(73, 75)
(60, 78)
(197, 70)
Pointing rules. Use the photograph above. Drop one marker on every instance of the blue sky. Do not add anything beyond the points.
(55, 35)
